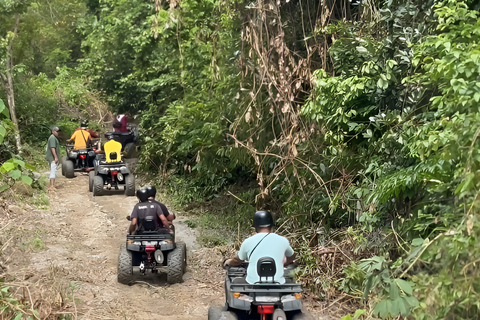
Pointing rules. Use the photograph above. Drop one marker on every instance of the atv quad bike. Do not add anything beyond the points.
(152, 251)
(111, 173)
(76, 160)
(128, 141)
(264, 300)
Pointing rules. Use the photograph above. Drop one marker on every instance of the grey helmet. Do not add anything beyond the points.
(262, 219)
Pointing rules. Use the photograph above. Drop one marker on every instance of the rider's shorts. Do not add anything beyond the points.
(53, 170)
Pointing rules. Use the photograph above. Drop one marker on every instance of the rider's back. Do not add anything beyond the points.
(82, 138)
(269, 245)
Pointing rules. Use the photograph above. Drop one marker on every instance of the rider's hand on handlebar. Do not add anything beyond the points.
(227, 263)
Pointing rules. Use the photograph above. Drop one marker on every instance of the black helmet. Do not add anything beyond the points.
(151, 191)
(142, 195)
(84, 123)
(262, 219)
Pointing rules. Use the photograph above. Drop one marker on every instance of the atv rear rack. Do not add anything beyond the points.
(151, 236)
(266, 287)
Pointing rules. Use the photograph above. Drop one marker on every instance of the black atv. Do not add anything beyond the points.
(127, 139)
(152, 251)
(110, 176)
(264, 300)
(76, 160)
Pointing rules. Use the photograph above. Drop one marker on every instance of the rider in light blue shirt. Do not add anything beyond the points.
(263, 244)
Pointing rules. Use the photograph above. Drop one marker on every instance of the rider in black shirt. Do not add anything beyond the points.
(146, 215)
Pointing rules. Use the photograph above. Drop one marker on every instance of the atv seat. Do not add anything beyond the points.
(266, 269)
(150, 225)
(113, 151)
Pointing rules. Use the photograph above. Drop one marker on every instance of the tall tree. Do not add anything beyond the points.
(6, 72)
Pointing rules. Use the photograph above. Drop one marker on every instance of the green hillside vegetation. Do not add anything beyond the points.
(356, 122)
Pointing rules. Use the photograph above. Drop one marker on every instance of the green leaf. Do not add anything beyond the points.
(368, 287)
(411, 301)
(26, 179)
(466, 184)
(19, 162)
(417, 242)
(359, 313)
(4, 187)
(7, 166)
(476, 96)
(15, 174)
(383, 308)
(394, 293)
(361, 49)
(405, 286)
(4, 110)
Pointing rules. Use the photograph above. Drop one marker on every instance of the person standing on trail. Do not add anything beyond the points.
(263, 244)
(152, 192)
(52, 153)
(81, 138)
(146, 215)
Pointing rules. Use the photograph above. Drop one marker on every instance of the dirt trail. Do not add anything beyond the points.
(82, 244)
(83, 241)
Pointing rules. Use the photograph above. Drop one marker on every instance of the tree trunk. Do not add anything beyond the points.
(7, 80)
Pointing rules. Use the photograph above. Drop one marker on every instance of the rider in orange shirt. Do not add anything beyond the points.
(81, 138)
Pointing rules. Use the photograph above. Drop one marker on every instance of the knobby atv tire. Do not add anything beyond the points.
(64, 159)
(130, 185)
(91, 178)
(98, 186)
(216, 313)
(124, 269)
(130, 150)
(69, 169)
(176, 262)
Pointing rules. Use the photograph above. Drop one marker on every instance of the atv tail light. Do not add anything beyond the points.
(265, 309)
(83, 156)
(236, 295)
(149, 249)
(297, 295)
(113, 173)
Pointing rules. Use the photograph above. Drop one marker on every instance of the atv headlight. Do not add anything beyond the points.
(120, 176)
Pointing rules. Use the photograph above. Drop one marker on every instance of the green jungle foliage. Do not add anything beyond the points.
(352, 118)
(403, 122)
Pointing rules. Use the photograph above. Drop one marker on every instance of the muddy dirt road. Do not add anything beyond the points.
(82, 239)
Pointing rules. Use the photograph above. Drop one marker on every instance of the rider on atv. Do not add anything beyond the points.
(146, 215)
(152, 192)
(81, 138)
(263, 244)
